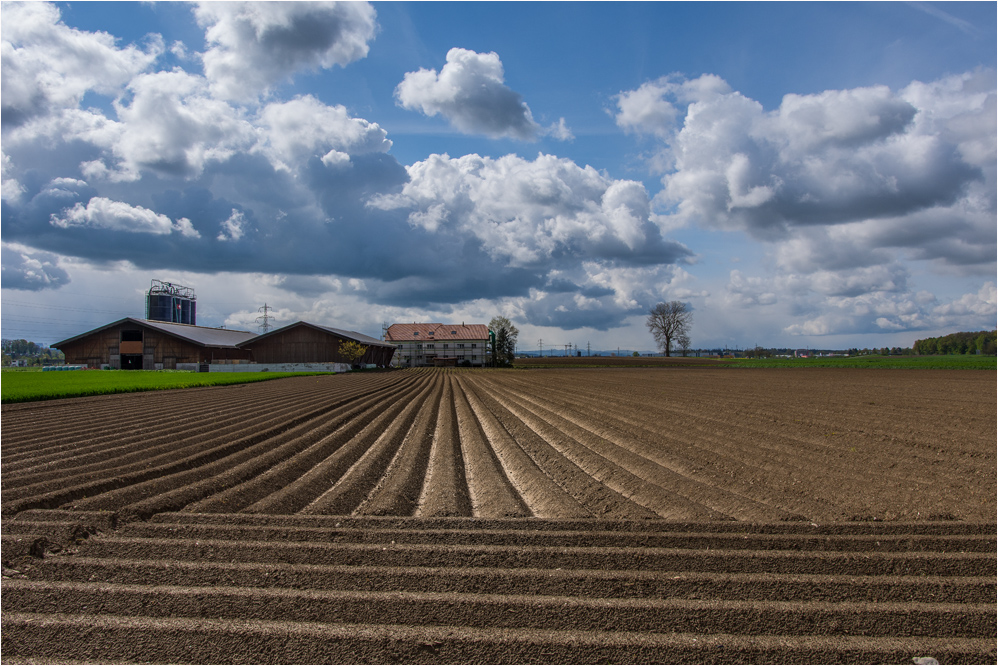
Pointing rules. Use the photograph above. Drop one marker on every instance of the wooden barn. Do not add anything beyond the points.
(141, 344)
(302, 342)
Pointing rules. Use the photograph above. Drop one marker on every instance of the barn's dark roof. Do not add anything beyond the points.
(199, 335)
(348, 335)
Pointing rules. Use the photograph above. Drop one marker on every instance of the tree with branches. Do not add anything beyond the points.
(352, 351)
(505, 347)
(670, 324)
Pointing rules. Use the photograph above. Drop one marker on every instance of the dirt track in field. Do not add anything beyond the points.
(629, 515)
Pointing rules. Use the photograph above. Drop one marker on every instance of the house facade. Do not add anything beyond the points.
(420, 345)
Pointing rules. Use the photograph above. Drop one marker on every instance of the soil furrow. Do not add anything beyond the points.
(673, 447)
(861, 529)
(267, 474)
(563, 582)
(161, 450)
(398, 491)
(734, 561)
(635, 478)
(117, 451)
(186, 640)
(301, 491)
(540, 493)
(656, 462)
(490, 492)
(595, 498)
(355, 485)
(506, 611)
(593, 538)
(445, 492)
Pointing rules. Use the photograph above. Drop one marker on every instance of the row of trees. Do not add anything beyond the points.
(30, 352)
(670, 323)
(981, 342)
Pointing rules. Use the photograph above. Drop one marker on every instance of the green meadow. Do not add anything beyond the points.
(29, 386)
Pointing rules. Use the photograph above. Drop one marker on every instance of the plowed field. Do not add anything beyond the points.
(621, 515)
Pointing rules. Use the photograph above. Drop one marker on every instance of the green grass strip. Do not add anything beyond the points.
(31, 386)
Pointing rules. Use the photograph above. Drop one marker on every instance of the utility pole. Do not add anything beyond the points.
(266, 317)
(588, 351)
(540, 347)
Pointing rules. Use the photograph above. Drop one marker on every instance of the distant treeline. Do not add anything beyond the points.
(982, 342)
(30, 352)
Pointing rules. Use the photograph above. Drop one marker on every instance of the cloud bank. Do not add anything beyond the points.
(186, 173)
(845, 188)
(111, 156)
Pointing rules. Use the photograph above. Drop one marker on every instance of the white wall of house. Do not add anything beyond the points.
(416, 353)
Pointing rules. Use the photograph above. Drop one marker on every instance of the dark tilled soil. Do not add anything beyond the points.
(693, 515)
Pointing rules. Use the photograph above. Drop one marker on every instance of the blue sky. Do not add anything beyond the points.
(801, 174)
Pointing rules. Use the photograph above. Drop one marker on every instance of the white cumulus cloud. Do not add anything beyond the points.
(47, 66)
(256, 45)
(103, 213)
(304, 127)
(529, 212)
(471, 93)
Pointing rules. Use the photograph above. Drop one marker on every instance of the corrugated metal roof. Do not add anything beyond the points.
(349, 335)
(200, 335)
(410, 332)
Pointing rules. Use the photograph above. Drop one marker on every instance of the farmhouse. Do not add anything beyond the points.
(302, 342)
(439, 344)
(144, 344)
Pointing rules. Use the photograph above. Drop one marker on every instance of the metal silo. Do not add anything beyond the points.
(171, 303)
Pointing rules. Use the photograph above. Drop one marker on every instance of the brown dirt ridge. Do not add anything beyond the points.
(631, 515)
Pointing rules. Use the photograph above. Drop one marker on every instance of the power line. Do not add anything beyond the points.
(63, 308)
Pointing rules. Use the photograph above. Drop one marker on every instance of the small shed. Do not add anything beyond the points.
(303, 342)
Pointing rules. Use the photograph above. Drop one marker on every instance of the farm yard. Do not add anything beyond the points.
(689, 513)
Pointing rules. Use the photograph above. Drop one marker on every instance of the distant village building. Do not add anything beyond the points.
(439, 344)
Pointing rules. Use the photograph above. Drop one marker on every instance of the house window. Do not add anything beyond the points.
(429, 346)
(131, 336)
(473, 345)
(445, 345)
(460, 346)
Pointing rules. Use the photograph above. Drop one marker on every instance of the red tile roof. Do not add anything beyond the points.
(410, 332)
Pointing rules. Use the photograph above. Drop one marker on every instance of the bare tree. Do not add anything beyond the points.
(670, 324)
(683, 343)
